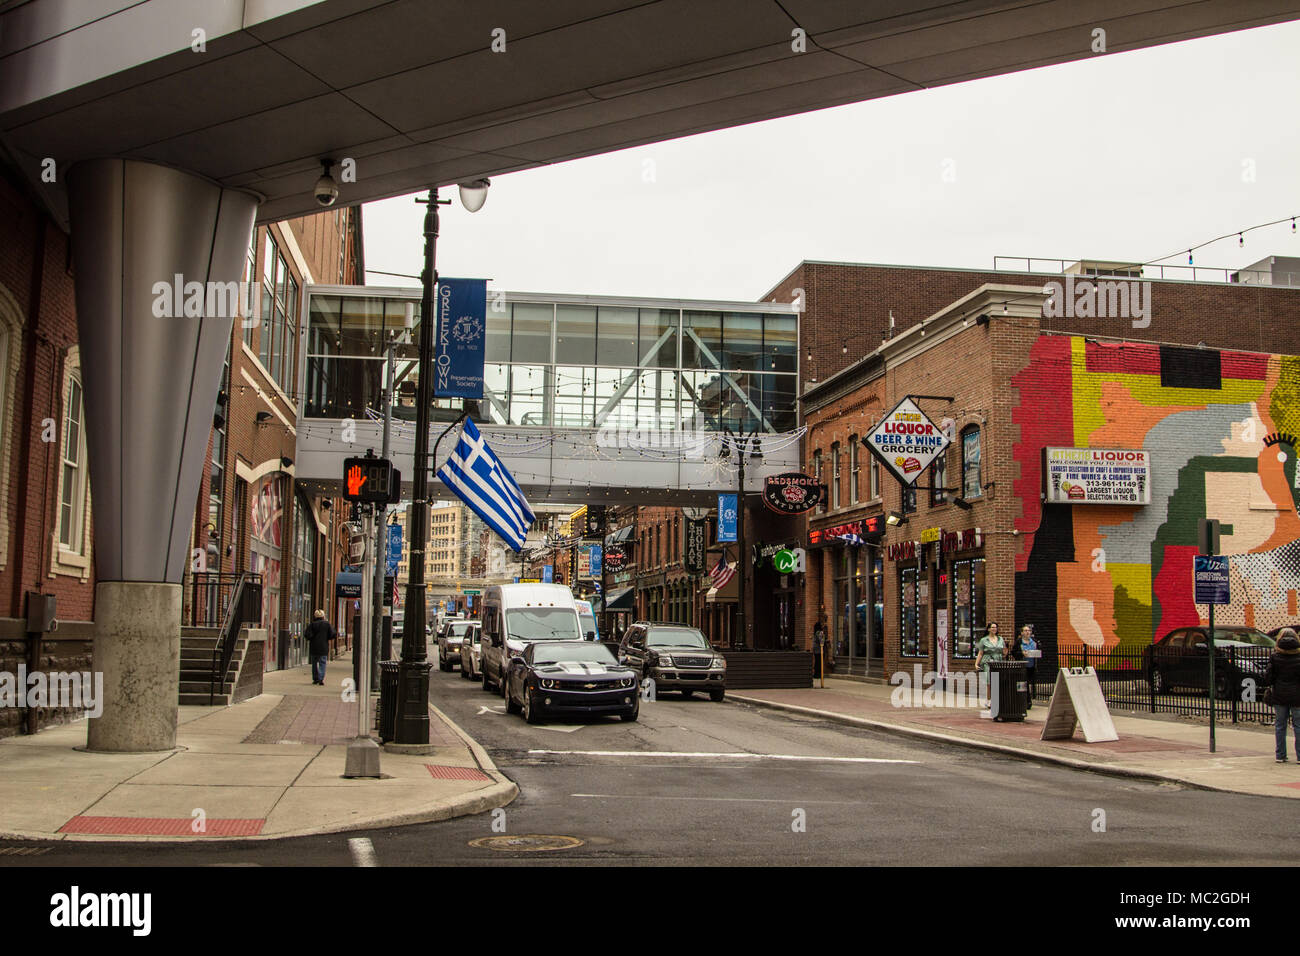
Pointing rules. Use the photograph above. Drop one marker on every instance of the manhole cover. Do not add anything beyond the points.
(527, 843)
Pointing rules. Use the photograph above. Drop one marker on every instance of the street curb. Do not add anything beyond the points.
(501, 793)
(1057, 759)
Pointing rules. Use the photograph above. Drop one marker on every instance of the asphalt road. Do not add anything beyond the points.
(685, 798)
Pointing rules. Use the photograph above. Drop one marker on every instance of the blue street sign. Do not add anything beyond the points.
(597, 558)
(450, 606)
(394, 547)
(462, 332)
(469, 601)
(1210, 579)
(727, 512)
(548, 573)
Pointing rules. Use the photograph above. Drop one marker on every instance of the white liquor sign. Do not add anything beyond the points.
(1097, 476)
(906, 441)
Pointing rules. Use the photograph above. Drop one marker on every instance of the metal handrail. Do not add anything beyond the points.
(246, 586)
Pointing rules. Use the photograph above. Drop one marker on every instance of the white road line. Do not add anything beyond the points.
(623, 796)
(713, 756)
(363, 851)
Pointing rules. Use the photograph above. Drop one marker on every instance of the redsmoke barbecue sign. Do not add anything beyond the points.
(906, 441)
(792, 493)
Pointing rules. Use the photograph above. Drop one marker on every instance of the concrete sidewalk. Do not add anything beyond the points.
(1160, 749)
(269, 767)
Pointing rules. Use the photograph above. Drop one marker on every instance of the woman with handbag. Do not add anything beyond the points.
(1282, 678)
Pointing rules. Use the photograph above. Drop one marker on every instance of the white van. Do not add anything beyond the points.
(515, 615)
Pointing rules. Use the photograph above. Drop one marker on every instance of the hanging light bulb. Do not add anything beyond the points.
(1241, 240)
(844, 349)
(1189, 257)
(1293, 225)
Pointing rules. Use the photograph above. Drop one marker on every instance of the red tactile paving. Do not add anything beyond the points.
(456, 773)
(160, 826)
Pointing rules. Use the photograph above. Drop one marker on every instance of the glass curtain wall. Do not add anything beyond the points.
(569, 366)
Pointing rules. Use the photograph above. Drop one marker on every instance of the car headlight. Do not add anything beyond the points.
(665, 660)
(719, 661)
(547, 683)
(627, 682)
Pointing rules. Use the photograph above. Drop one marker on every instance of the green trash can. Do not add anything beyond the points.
(387, 716)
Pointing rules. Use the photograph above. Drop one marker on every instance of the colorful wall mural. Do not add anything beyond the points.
(1221, 428)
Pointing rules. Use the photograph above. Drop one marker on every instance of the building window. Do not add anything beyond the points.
(908, 499)
(968, 611)
(853, 469)
(910, 614)
(835, 475)
(72, 512)
(817, 473)
(250, 277)
(971, 486)
(939, 479)
(875, 478)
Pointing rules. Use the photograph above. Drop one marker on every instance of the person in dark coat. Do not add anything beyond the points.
(319, 634)
(1283, 676)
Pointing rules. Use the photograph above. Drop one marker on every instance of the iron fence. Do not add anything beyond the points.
(1167, 682)
(209, 597)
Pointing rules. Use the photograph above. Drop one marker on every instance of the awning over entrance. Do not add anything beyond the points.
(619, 599)
(619, 536)
(347, 584)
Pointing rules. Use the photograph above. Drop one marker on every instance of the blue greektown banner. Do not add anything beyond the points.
(461, 305)
(727, 511)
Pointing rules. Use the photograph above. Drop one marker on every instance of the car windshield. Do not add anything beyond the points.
(1224, 637)
(586, 653)
(676, 637)
(543, 624)
(588, 623)
(459, 628)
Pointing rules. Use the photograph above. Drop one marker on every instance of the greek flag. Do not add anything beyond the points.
(477, 477)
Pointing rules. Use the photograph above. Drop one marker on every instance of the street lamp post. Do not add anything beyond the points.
(412, 724)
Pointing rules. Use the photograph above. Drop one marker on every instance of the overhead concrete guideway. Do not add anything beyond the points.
(586, 398)
(414, 92)
(158, 130)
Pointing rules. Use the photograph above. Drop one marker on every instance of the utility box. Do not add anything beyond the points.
(41, 609)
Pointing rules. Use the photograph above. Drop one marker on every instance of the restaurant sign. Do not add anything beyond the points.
(906, 441)
(1096, 476)
(791, 493)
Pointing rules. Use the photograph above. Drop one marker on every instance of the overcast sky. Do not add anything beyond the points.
(1126, 156)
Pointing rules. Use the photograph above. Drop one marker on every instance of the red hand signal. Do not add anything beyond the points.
(355, 480)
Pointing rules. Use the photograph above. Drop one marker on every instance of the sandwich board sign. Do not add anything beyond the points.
(1077, 701)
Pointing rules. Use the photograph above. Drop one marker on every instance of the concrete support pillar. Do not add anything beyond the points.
(155, 252)
(138, 650)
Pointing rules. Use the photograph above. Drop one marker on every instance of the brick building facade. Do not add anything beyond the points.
(247, 511)
(1003, 383)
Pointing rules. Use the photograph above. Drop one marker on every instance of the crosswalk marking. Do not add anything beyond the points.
(363, 851)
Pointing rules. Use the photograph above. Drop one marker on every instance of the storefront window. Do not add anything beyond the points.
(939, 480)
(878, 606)
(910, 616)
(968, 609)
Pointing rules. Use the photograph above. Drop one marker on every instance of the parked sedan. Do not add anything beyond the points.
(471, 667)
(449, 642)
(570, 677)
(676, 657)
(1179, 659)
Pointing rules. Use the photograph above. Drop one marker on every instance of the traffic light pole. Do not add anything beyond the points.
(363, 753)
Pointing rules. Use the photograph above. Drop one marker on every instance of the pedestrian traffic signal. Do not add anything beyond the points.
(368, 480)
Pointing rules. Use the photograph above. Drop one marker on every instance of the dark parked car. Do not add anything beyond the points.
(676, 657)
(1179, 659)
(570, 677)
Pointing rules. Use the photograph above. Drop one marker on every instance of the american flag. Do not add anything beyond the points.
(722, 573)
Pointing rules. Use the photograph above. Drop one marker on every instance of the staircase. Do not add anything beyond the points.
(197, 647)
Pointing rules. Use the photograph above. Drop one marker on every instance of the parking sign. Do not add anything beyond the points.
(1210, 579)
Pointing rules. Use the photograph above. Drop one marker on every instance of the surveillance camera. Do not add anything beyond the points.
(326, 189)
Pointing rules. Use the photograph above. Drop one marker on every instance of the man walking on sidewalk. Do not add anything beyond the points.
(319, 635)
